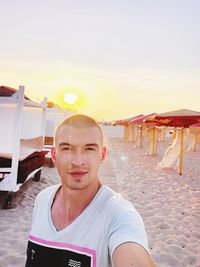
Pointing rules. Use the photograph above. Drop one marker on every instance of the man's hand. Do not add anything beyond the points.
(132, 255)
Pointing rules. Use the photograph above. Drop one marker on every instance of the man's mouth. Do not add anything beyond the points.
(77, 173)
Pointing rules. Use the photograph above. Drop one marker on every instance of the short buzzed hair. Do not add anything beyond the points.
(80, 121)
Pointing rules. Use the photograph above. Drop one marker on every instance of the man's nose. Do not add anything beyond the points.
(78, 159)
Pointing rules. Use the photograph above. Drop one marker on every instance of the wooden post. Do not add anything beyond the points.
(16, 138)
(129, 133)
(153, 145)
(181, 151)
(44, 112)
(174, 135)
(124, 132)
(140, 136)
(133, 133)
(195, 144)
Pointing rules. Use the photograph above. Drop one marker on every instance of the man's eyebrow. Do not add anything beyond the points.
(68, 144)
(92, 144)
(64, 144)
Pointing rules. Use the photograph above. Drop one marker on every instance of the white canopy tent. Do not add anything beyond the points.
(21, 134)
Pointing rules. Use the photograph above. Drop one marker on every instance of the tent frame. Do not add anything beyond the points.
(9, 183)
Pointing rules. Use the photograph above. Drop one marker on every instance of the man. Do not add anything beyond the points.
(80, 222)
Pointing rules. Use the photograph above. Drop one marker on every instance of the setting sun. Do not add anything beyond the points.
(70, 98)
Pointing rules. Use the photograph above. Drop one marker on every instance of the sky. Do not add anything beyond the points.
(121, 58)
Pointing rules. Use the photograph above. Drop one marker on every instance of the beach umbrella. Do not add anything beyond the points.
(178, 118)
(125, 121)
(139, 120)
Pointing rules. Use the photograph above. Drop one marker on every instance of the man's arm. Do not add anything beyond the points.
(132, 255)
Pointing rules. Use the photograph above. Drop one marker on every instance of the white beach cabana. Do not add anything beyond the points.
(21, 140)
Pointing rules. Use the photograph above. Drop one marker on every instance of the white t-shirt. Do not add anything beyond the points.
(89, 241)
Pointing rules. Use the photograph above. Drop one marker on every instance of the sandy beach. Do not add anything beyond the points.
(169, 203)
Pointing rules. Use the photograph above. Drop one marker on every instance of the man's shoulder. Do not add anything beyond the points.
(117, 202)
(47, 192)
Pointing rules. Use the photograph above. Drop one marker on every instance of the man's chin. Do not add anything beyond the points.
(79, 184)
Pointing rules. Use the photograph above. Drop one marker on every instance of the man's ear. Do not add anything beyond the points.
(103, 153)
(53, 154)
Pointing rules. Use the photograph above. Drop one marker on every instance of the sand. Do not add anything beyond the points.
(169, 203)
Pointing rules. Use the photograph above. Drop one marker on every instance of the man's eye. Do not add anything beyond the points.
(66, 148)
(90, 148)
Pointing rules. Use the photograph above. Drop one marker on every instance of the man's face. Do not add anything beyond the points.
(78, 155)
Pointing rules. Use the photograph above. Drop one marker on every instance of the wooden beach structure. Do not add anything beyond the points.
(22, 124)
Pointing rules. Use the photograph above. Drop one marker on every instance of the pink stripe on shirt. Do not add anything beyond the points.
(65, 245)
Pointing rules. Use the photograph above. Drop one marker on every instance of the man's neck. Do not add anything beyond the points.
(69, 204)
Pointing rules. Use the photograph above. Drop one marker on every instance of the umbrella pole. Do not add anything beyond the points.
(153, 146)
(195, 145)
(130, 133)
(133, 130)
(125, 132)
(140, 136)
(181, 151)
(149, 140)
